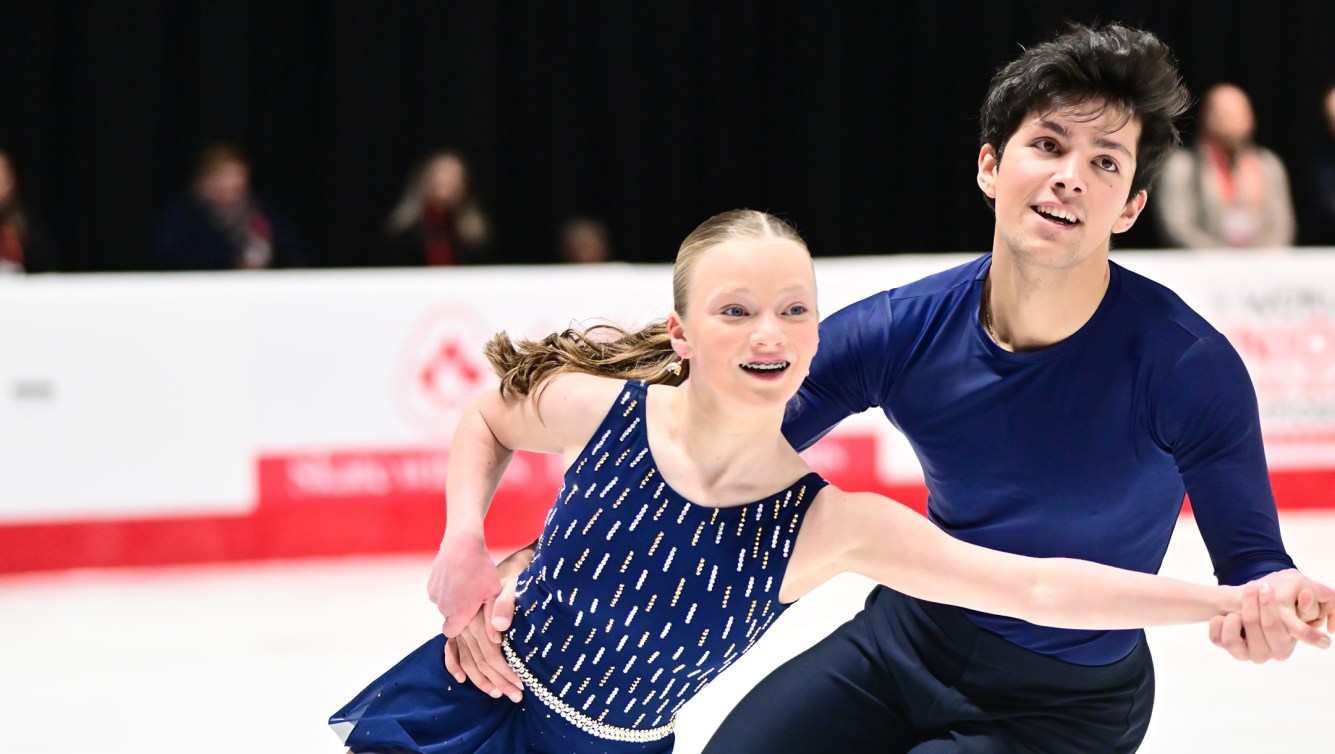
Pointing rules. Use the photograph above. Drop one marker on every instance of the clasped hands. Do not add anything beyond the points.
(476, 598)
(1278, 611)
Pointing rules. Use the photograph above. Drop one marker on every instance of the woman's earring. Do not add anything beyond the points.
(675, 368)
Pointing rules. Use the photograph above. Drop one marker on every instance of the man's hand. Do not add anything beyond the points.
(475, 653)
(463, 580)
(1279, 610)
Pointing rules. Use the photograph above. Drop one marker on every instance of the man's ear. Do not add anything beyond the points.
(677, 336)
(1134, 206)
(988, 163)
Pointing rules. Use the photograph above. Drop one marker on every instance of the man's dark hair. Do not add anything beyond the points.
(1128, 70)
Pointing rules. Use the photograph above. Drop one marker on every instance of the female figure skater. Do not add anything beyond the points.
(686, 523)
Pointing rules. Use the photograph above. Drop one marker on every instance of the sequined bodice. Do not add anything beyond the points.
(636, 597)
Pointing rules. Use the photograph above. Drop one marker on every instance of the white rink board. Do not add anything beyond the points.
(135, 396)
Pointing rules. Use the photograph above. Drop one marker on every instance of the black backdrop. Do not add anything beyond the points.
(856, 120)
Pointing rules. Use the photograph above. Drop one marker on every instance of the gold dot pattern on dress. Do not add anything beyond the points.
(592, 520)
(642, 657)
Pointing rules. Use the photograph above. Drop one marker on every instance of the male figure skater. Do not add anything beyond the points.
(1060, 406)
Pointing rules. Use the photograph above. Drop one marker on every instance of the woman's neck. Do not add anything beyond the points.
(714, 453)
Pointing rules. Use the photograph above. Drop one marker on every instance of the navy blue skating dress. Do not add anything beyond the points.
(635, 600)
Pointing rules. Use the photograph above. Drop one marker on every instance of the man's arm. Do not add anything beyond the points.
(848, 374)
(1209, 418)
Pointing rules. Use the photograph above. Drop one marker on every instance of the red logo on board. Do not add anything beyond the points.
(442, 368)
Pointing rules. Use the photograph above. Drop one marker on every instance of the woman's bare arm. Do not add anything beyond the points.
(879, 538)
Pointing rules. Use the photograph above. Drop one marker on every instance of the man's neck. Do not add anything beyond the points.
(1032, 308)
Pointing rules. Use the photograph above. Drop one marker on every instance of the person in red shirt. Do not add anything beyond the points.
(437, 222)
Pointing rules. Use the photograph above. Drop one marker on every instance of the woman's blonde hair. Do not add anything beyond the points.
(611, 351)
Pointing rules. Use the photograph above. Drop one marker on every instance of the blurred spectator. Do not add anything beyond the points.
(1227, 192)
(23, 246)
(1323, 170)
(584, 241)
(437, 222)
(220, 225)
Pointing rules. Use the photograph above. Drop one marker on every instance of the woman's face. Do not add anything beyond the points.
(750, 328)
(445, 181)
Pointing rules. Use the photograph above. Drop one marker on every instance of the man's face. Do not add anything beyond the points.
(1061, 187)
(226, 186)
(1226, 116)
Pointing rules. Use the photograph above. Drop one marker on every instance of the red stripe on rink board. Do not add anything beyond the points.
(374, 524)
(1304, 489)
(314, 528)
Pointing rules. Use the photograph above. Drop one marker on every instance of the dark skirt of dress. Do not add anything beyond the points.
(417, 706)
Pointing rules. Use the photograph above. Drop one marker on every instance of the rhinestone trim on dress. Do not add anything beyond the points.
(574, 716)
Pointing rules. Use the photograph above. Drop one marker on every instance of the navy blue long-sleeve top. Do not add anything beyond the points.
(1084, 449)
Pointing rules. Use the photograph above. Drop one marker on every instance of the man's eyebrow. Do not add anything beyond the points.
(1115, 146)
(1101, 142)
(1053, 125)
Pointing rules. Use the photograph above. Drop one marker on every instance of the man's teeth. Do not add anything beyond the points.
(1059, 214)
(766, 366)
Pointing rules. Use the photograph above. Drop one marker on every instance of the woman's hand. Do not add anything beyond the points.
(463, 580)
(475, 654)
